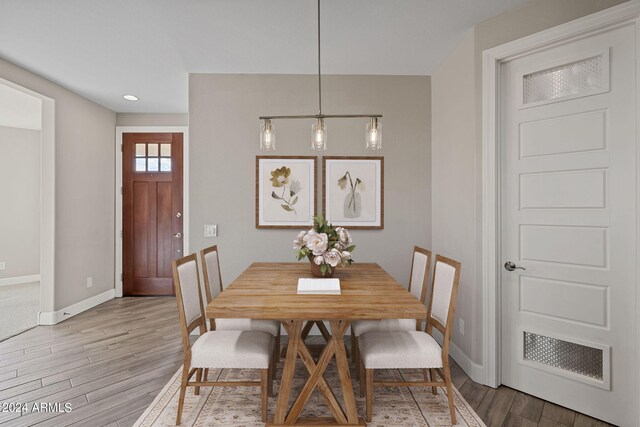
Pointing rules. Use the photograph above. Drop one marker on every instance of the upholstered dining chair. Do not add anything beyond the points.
(420, 264)
(213, 286)
(215, 349)
(417, 349)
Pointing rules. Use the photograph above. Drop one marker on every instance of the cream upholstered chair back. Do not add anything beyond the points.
(189, 298)
(446, 275)
(211, 272)
(419, 272)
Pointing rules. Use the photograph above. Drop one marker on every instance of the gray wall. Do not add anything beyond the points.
(20, 195)
(223, 128)
(457, 144)
(151, 119)
(84, 134)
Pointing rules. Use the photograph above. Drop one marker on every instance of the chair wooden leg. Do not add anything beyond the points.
(355, 354)
(369, 381)
(277, 347)
(272, 373)
(434, 389)
(205, 376)
(196, 390)
(360, 369)
(183, 391)
(447, 380)
(353, 347)
(264, 392)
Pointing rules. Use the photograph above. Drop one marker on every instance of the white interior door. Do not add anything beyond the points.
(568, 218)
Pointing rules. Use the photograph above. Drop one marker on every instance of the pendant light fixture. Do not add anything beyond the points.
(373, 136)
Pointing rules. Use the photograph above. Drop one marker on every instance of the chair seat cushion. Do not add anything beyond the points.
(269, 326)
(397, 350)
(232, 349)
(361, 327)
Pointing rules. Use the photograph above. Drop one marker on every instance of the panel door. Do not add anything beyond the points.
(152, 211)
(568, 213)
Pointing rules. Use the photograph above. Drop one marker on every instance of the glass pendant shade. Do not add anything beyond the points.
(267, 136)
(373, 138)
(319, 135)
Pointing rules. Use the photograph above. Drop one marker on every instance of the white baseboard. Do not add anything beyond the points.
(55, 317)
(474, 370)
(19, 280)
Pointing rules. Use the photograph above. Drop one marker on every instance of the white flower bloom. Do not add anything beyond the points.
(332, 257)
(339, 246)
(299, 242)
(344, 236)
(319, 260)
(295, 187)
(346, 255)
(316, 242)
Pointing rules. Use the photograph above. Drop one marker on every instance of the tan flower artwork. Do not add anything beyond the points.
(288, 198)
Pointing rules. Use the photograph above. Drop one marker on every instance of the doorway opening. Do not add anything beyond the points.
(27, 218)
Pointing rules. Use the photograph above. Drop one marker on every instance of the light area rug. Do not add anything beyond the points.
(240, 406)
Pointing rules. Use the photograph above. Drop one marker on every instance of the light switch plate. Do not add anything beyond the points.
(89, 281)
(3, 266)
(210, 230)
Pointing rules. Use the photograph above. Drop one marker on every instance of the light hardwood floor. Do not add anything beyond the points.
(111, 361)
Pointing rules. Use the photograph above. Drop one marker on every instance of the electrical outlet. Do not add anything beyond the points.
(3, 266)
(210, 230)
(89, 282)
(461, 326)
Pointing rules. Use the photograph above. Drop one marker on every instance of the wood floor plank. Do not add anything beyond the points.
(548, 422)
(558, 413)
(585, 421)
(41, 374)
(130, 419)
(8, 393)
(495, 406)
(527, 406)
(163, 372)
(473, 393)
(41, 393)
(8, 375)
(514, 420)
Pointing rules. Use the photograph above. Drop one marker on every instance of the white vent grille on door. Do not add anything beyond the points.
(577, 358)
(567, 80)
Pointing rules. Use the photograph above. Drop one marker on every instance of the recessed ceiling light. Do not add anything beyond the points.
(130, 97)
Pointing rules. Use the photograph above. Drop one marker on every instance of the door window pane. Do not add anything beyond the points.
(165, 150)
(153, 150)
(153, 165)
(141, 165)
(165, 165)
(140, 150)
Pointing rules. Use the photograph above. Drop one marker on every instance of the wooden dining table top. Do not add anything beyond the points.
(268, 290)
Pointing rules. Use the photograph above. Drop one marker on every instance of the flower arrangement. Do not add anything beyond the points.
(325, 246)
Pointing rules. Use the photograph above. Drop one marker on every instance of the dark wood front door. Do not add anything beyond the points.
(152, 211)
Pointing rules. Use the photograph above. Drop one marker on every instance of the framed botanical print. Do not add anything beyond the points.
(285, 191)
(353, 191)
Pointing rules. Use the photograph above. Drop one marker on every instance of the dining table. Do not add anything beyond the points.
(268, 291)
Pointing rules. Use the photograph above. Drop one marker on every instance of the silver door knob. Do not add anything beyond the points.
(178, 235)
(510, 266)
(178, 215)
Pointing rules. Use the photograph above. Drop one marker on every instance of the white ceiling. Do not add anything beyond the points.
(103, 49)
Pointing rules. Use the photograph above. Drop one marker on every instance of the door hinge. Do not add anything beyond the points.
(121, 190)
(121, 234)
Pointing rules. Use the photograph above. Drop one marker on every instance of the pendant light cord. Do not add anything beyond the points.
(319, 75)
